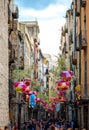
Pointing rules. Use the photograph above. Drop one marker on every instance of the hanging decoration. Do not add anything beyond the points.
(77, 92)
(20, 87)
(27, 81)
(63, 86)
(32, 100)
(66, 75)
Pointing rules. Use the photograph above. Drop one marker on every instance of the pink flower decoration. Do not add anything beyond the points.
(35, 92)
(16, 84)
(27, 81)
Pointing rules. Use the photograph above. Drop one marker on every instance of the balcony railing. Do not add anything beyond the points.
(83, 3)
(78, 42)
(15, 12)
(83, 39)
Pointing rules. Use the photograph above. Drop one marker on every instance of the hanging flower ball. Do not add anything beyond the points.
(16, 84)
(66, 75)
(24, 87)
(27, 81)
(63, 86)
(30, 92)
(20, 87)
(27, 89)
(63, 99)
(35, 92)
(52, 98)
(38, 100)
(59, 81)
(27, 97)
(61, 93)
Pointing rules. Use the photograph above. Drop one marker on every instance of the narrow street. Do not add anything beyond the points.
(44, 59)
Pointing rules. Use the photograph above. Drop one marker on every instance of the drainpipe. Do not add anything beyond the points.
(80, 63)
(74, 29)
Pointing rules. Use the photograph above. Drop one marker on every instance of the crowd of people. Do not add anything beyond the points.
(46, 124)
(49, 124)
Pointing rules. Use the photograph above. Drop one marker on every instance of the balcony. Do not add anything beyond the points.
(74, 59)
(15, 12)
(83, 3)
(78, 42)
(83, 40)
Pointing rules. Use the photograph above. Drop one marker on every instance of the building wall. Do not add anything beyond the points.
(27, 44)
(87, 25)
(85, 57)
(4, 109)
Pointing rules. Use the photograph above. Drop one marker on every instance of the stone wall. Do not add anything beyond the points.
(4, 107)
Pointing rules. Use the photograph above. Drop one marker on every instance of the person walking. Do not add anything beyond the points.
(6, 128)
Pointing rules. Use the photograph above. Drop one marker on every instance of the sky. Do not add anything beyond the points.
(50, 15)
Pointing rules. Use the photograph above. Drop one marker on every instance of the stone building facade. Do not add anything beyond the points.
(80, 61)
(4, 101)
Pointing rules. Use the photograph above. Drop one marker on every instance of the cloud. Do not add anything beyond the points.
(52, 11)
(50, 21)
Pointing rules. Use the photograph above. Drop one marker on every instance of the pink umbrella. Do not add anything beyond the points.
(61, 93)
(59, 81)
(66, 75)
(38, 100)
(35, 92)
(27, 81)
(16, 84)
(63, 86)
